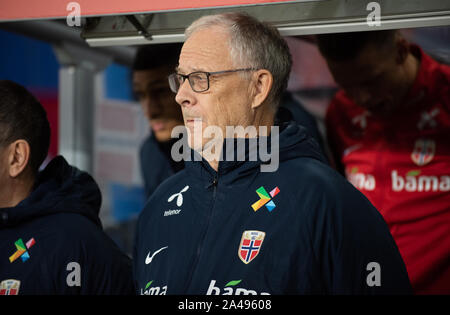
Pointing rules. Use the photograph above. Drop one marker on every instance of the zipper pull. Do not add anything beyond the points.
(214, 183)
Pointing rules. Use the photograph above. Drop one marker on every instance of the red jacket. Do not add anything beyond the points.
(402, 165)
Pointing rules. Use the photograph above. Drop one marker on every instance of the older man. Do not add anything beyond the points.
(225, 226)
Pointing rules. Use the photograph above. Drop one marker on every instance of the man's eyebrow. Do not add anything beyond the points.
(177, 70)
(158, 81)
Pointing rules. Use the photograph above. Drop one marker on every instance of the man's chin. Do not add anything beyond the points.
(162, 136)
(195, 144)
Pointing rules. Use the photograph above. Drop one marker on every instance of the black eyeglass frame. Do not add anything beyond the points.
(208, 74)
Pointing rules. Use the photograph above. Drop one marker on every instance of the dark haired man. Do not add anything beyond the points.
(152, 65)
(388, 128)
(51, 238)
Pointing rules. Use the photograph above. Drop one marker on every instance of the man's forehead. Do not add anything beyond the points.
(351, 75)
(365, 63)
(205, 50)
(352, 67)
(150, 76)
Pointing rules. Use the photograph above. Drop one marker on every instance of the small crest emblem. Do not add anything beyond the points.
(423, 151)
(9, 287)
(250, 245)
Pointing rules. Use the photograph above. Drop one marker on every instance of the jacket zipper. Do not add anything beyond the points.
(214, 184)
(200, 247)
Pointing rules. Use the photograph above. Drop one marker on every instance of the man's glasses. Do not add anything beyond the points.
(198, 80)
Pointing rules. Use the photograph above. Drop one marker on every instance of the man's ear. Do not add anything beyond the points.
(262, 84)
(18, 157)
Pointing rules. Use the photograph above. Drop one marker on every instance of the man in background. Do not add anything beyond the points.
(388, 128)
(151, 67)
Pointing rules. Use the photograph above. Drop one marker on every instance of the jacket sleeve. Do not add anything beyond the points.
(155, 167)
(94, 265)
(354, 249)
(108, 271)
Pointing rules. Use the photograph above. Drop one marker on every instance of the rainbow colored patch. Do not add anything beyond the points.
(265, 199)
(22, 250)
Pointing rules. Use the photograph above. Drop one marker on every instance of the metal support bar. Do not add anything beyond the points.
(343, 27)
(291, 18)
(76, 116)
(77, 102)
(139, 27)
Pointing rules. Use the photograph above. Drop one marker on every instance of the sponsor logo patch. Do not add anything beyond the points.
(22, 250)
(265, 199)
(153, 290)
(179, 196)
(231, 288)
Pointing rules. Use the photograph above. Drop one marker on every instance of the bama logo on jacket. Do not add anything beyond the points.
(230, 288)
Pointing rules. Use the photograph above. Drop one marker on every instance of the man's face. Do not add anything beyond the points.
(227, 102)
(158, 102)
(374, 80)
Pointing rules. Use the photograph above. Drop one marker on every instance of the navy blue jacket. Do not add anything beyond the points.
(314, 233)
(292, 110)
(156, 163)
(68, 251)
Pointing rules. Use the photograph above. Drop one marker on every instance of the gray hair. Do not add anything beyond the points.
(253, 44)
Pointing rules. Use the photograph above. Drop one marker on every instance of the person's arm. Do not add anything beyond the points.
(353, 245)
(93, 265)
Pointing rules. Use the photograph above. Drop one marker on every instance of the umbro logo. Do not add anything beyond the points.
(428, 119)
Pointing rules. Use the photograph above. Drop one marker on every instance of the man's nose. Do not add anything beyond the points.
(185, 95)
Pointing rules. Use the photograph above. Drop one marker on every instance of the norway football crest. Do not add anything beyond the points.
(9, 287)
(423, 151)
(250, 245)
